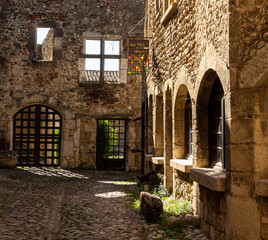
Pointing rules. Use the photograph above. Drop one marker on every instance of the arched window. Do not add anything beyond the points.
(188, 128)
(216, 126)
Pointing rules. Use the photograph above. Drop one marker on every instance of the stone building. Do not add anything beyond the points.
(65, 93)
(208, 110)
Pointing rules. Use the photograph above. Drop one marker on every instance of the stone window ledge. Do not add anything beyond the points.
(172, 9)
(261, 187)
(213, 179)
(157, 160)
(182, 165)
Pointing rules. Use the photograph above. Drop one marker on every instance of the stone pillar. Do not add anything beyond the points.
(243, 214)
(168, 176)
(158, 126)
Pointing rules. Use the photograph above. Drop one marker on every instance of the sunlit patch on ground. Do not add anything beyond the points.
(119, 182)
(115, 194)
(107, 182)
(52, 172)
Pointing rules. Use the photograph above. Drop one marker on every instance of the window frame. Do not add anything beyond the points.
(217, 114)
(43, 25)
(188, 129)
(102, 57)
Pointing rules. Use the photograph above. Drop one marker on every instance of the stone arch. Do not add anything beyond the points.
(178, 122)
(70, 144)
(202, 116)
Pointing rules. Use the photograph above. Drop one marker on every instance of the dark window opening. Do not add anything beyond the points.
(111, 144)
(216, 125)
(188, 128)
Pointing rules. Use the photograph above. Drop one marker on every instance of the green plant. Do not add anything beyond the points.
(175, 208)
(107, 138)
(160, 191)
(56, 145)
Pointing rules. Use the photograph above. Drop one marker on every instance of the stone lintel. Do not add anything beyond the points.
(214, 179)
(158, 160)
(172, 9)
(183, 165)
(261, 187)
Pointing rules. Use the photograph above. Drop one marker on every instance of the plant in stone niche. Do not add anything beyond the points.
(107, 138)
(175, 208)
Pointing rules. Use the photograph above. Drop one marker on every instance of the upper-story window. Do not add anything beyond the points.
(102, 60)
(169, 9)
(157, 5)
(44, 43)
(167, 3)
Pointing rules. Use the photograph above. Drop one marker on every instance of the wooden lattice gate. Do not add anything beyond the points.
(37, 136)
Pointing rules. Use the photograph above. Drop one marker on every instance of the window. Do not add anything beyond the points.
(169, 9)
(44, 43)
(102, 60)
(216, 125)
(188, 128)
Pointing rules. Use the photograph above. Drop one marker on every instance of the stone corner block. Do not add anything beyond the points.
(261, 187)
(213, 179)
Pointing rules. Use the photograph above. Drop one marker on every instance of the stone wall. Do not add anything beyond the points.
(213, 213)
(192, 44)
(183, 185)
(25, 81)
(185, 47)
(248, 133)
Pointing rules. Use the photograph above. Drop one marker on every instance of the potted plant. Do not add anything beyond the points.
(8, 158)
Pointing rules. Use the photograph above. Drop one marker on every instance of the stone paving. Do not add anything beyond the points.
(47, 203)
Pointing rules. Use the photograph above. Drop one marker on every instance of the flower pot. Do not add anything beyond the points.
(8, 159)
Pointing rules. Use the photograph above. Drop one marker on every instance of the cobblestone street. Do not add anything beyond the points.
(51, 203)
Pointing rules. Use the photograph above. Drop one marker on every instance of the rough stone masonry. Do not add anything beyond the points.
(25, 80)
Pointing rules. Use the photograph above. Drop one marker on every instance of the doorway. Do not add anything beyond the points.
(111, 144)
(37, 136)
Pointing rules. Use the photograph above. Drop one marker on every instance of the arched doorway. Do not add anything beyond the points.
(37, 136)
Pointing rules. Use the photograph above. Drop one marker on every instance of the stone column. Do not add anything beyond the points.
(168, 140)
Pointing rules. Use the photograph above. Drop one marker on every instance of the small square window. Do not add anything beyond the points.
(44, 43)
